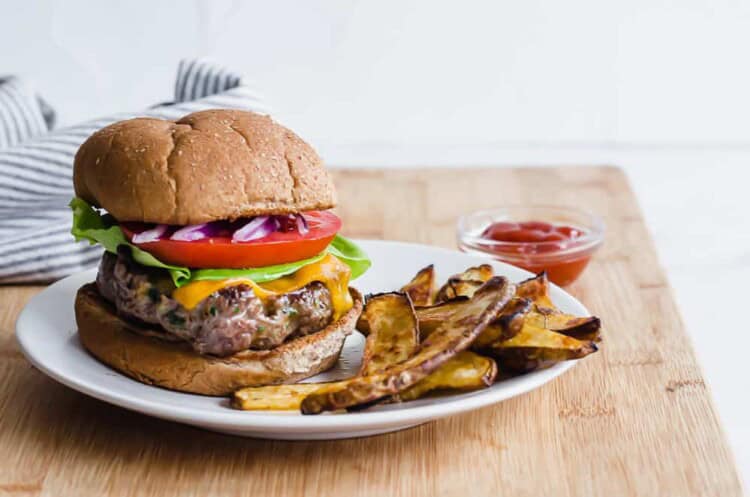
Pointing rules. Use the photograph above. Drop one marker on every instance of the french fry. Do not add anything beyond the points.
(455, 335)
(466, 371)
(513, 328)
(535, 348)
(464, 284)
(546, 315)
(482, 273)
(580, 328)
(536, 289)
(276, 397)
(395, 332)
(422, 287)
(394, 339)
(430, 318)
(430, 315)
(507, 325)
(455, 288)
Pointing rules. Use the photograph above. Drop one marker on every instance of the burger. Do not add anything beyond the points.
(223, 266)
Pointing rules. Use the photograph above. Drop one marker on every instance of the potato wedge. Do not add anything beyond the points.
(430, 318)
(506, 326)
(395, 338)
(455, 288)
(536, 289)
(276, 397)
(466, 371)
(580, 328)
(421, 288)
(456, 334)
(546, 315)
(464, 284)
(483, 272)
(394, 333)
(534, 337)
(458, 286)
(535, 348)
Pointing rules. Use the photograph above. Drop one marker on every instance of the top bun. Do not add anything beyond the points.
(207, 166)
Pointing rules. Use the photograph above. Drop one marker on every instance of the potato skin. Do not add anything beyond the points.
(395, 331)
(455, 335)
(421, 288)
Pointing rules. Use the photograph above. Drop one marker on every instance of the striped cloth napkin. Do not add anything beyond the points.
(36, 167)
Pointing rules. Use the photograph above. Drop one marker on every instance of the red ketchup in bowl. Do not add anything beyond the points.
(540, 246)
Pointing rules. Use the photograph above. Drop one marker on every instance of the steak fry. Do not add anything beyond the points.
(422, 287)
(580, 328)
(464, 284)
(507, 325)
(536, 289)
(396, 333)
(465, 371)
(536, 348)
(277, 397)
(459, 330)
(432, 317)
(394, 339)
(546, 315)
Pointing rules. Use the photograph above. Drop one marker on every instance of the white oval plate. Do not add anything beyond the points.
(46, 332)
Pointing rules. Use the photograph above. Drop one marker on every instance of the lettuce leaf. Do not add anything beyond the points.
(89, 224)
(353, 256)
(257, 274)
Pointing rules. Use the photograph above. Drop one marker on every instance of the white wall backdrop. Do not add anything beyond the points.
(659, 87)
(348, 72)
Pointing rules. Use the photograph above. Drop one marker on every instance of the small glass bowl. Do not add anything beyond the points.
(564, 261)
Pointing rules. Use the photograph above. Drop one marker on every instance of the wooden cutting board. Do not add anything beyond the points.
(634, 419)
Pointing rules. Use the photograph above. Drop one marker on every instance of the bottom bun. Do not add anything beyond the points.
(135, 349)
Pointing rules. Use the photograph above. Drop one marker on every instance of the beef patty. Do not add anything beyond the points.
(227, 321)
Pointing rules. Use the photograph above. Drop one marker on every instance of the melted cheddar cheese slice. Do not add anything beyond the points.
(330, 271)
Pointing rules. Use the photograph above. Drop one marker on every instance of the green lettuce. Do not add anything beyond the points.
(354, 257)
(89, 224)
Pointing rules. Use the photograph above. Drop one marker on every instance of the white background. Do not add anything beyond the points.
(657, 87)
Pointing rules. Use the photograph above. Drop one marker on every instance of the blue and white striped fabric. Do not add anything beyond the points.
(36, 170)
(22, 114)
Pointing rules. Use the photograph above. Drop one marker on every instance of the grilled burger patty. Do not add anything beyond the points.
(228, 321)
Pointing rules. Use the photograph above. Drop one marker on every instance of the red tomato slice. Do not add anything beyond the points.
(220, 252)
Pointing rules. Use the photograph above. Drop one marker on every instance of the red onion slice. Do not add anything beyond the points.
(152, 235)
(258, 227)
(191, 233)
(302, 226)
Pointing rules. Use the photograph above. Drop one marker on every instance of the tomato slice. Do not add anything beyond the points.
(220, 252)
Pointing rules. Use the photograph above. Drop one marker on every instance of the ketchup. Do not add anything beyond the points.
(534, 246)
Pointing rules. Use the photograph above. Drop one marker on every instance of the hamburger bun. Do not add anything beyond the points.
(143, 352)
(207, 166)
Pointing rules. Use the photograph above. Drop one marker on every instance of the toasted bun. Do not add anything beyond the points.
(133, 349)
(207, 166)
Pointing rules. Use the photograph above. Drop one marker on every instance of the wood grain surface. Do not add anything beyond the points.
(634, 419)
